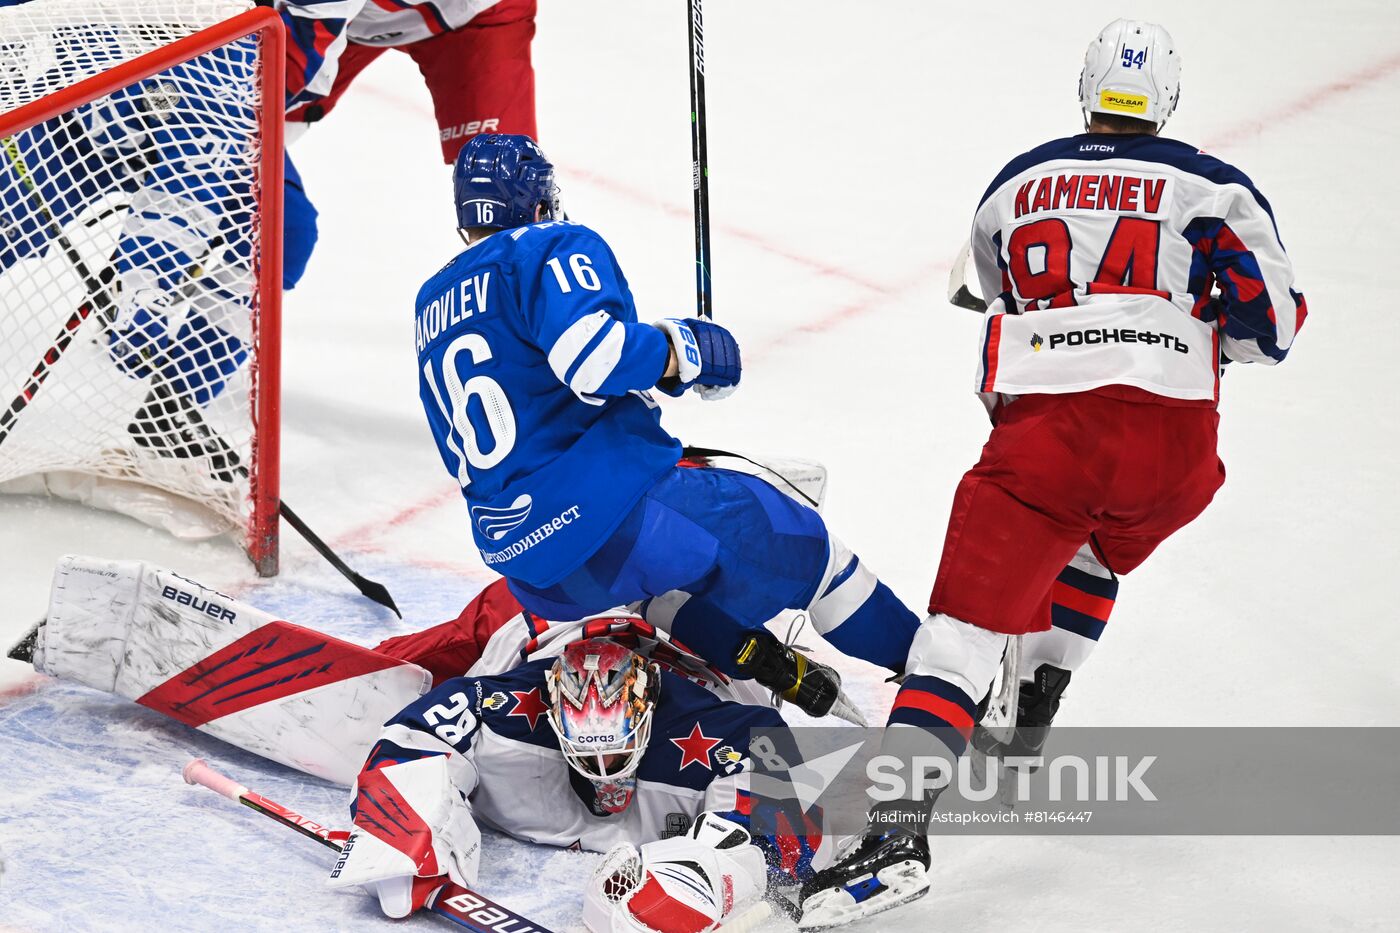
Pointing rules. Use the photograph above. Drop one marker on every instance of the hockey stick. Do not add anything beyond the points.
(958, 292)
(99, 298)
(704, 453)
(23, 649)
(704, 302)
(462, 906)
(369, 589)
(96, 286)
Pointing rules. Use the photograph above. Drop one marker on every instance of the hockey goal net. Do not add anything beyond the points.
(140, 265)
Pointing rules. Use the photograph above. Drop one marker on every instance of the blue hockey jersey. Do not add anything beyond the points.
(533, 372)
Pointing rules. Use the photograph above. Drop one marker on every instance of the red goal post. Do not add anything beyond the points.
(181, 384)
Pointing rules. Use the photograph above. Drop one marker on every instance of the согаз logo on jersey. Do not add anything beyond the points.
(497, 523)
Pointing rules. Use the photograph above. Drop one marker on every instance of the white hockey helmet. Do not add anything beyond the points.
(1131, 69)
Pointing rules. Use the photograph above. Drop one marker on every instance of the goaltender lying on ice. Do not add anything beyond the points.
(603, 734)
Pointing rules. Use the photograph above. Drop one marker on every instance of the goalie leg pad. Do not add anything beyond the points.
(291, 694)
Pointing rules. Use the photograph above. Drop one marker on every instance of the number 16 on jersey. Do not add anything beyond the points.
(480, 422)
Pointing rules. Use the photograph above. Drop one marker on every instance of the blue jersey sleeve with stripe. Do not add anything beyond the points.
(579, 311)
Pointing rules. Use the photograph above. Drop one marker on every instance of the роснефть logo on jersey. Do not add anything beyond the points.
(497, 523)
(1099, 335)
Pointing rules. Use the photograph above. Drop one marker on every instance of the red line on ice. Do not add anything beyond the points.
(25, 686)
(839, 316)
(1308, 102)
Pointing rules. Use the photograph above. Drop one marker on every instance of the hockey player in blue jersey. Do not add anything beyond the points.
(535, 376)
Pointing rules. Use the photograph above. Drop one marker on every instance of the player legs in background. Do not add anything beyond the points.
(299, 215)
(495, 91)
(352, 61)
(1081, 600)
(1057, 472)
(299, 227)
(714, 555)
(481, 79)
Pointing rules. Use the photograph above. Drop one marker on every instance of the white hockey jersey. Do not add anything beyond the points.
(504, 757)
(1128, 260)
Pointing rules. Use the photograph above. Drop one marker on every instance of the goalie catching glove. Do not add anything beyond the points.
(414, 832)
(711, 878)
(707, 358)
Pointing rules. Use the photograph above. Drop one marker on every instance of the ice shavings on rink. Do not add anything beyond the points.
(99, 832)
(1275, 608)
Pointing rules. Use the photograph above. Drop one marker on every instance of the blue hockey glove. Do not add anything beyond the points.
(707, 356)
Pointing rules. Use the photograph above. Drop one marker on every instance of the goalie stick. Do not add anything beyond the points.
(462, 906)
(99, 298)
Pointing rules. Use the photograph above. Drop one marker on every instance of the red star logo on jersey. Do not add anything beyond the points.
(695, 748)
(529, 705)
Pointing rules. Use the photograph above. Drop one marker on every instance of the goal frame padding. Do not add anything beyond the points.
(263, 476)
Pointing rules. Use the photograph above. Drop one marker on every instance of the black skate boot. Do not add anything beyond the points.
(1036, 709)
(889, 867)
(812, 687)
(167, 426)
(1036, 706)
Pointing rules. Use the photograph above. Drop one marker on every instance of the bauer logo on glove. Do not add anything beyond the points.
(707, 358)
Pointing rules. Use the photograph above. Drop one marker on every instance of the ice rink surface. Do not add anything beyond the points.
(848, 146)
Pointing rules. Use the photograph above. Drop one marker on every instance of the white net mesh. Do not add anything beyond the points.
(129, 253)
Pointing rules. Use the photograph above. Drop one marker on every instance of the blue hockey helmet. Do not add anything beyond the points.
(499, 180)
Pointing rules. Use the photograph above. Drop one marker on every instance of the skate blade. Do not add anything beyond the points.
(903, 881)
(845, 708)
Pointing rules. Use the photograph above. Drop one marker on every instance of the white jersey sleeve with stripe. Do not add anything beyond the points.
(1128, 260)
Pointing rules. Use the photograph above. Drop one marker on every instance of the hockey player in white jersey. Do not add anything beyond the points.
(603, 734)
(1123, 272)
(596, 748)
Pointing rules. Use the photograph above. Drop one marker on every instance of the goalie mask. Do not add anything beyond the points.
(601, 700)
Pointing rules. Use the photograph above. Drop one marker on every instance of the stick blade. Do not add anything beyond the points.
(958, 293)
(377, 592)
(369, 589)
(963, 298)
(24, 648)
